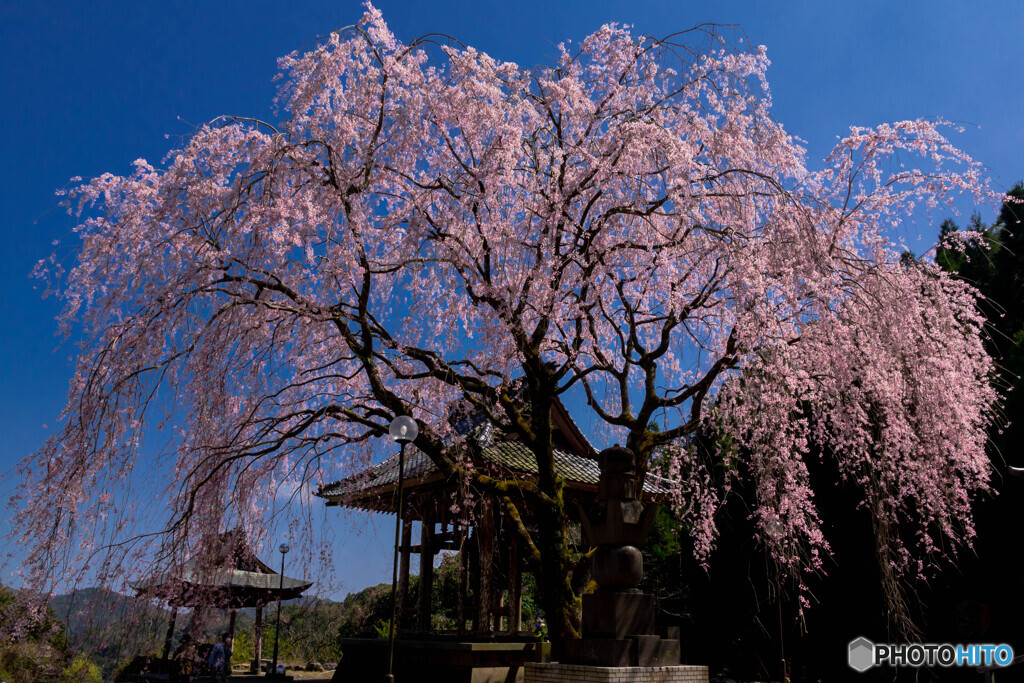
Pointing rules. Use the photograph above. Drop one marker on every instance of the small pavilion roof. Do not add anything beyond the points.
(236, 579)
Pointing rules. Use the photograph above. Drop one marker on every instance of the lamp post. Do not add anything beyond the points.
(277, 629)
(403, 429)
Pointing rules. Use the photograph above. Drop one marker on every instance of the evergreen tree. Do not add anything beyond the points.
(995, 265)
(981, 600)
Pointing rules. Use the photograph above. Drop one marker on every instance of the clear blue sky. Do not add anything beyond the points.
(86, 88)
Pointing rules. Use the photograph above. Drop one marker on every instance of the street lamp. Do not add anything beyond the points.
(277, 629)
(403, 429)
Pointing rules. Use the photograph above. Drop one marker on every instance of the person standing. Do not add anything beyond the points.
(217, 659)
(228, 652)
(185, 658)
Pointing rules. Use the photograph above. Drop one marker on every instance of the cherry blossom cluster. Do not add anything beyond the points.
(426, 224)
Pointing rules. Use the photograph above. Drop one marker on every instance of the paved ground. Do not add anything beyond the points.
(304, 675)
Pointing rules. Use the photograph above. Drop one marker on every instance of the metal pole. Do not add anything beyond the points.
(389, 676)
(277, 628)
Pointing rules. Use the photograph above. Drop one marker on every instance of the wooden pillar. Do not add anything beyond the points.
(485, 545)
(257, 639)
(426, 572)
(515, 589)
(170, 631)
(474, 574)
(460, 608)
(500, 610)
(403, 570)
(232, 615)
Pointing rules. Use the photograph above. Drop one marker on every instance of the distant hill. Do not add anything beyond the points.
(113, 628)
(110, 626)
(100, 610)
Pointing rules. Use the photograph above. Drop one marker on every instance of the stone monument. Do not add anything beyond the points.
(619, 637)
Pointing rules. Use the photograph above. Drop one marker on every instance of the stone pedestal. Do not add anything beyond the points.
(618, 630)
(560, 673)
(618, 620)
(638, 650)
(617, 615)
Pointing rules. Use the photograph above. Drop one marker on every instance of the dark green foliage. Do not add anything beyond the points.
(663, 569)
(42, 651)
(996, 268)
(981, 601)
(310, 631)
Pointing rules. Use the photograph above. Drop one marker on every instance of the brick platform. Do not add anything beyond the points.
(574, 673)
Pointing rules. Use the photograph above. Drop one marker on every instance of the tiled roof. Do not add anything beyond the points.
(417, 465)
(190, 585)
(223, 578)
(511, 455)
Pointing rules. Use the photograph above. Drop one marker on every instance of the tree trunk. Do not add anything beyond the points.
(170, 631)
(485, 564)
(561, 604)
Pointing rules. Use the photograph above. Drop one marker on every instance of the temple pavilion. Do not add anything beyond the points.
(491, 568)
(234, 579)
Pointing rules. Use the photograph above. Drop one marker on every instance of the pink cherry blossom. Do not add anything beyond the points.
(628, 228)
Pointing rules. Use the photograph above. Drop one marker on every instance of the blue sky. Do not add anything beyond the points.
(87, 88)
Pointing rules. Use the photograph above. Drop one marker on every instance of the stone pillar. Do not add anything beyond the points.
(618, 620)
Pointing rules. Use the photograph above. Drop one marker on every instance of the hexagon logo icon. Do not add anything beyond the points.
(861, 654)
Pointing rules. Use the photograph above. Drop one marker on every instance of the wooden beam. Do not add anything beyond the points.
(435, 546)
(450, 535)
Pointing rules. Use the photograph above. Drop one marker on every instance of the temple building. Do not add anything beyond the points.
(491, 567)
(233, 579)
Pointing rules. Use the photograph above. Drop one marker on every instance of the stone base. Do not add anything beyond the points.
(560, 673)
(644, 650)
(603, 652)
(437, 660)
(617, 615)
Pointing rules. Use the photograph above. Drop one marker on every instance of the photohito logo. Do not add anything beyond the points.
(863, 654)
